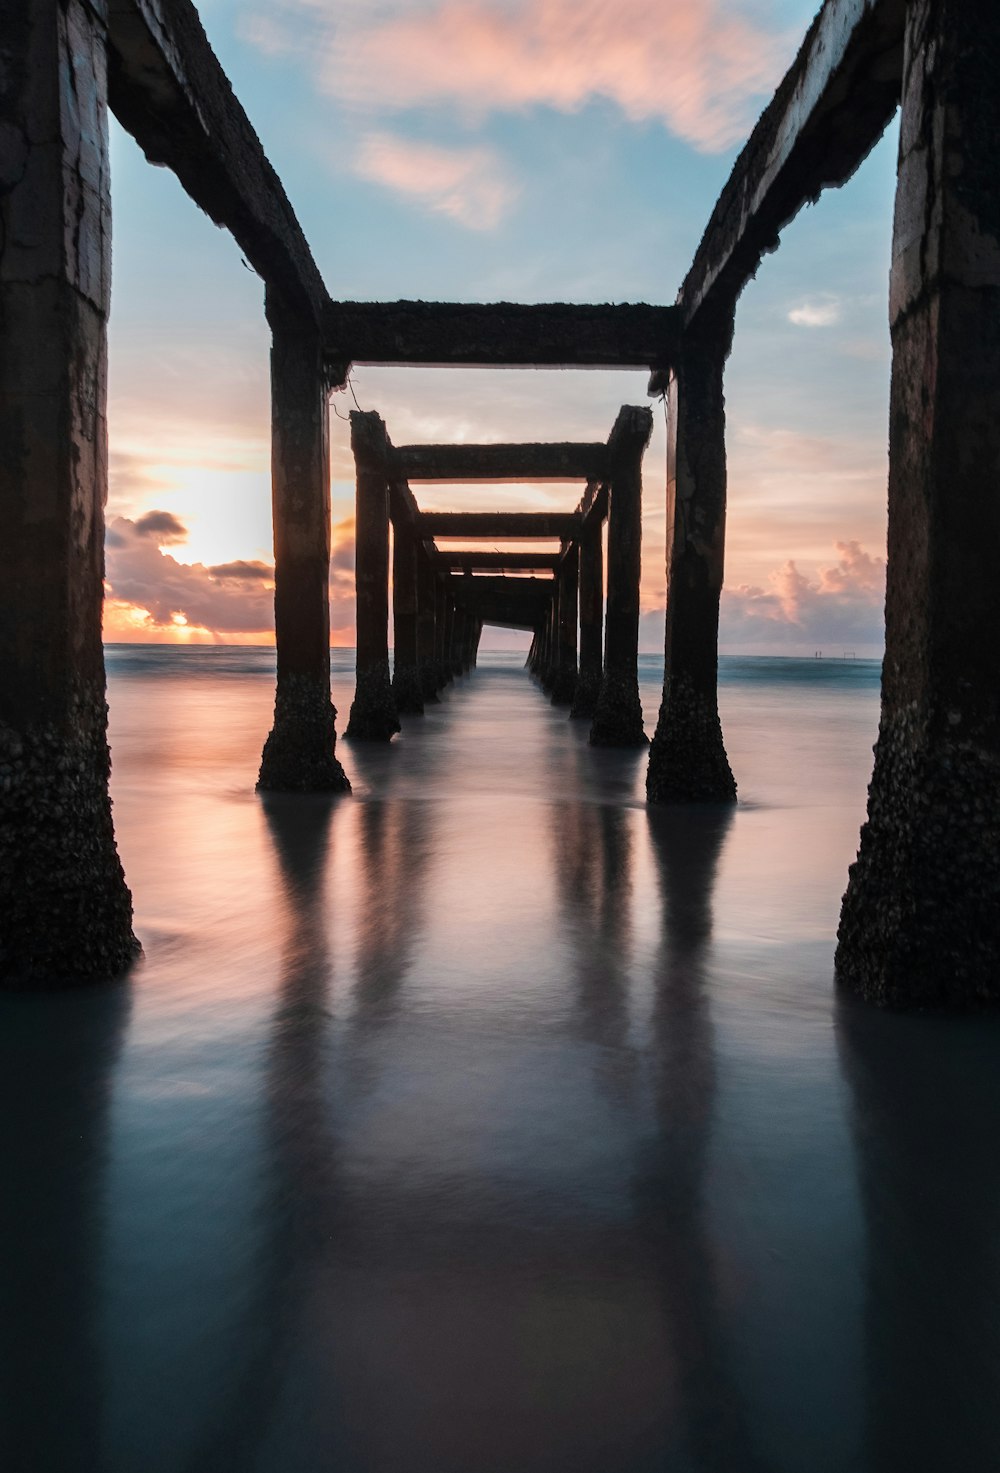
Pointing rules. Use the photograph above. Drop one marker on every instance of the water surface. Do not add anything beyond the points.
(487, 1120)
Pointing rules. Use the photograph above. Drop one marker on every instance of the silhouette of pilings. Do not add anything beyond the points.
(65, 910)
(407, 679)
(687, 759)
(373, 713)
(299, 754)
(618, 717)
(426, 626)
(591, 594)
(919, 924)
(565, 607)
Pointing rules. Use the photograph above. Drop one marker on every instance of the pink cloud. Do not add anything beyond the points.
(151, 593)
(470, 185)
(843, 605)
(695, 67)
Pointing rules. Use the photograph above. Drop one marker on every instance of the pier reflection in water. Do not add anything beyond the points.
(488, 1120)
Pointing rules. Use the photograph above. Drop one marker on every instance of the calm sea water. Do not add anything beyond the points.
(488, 1122)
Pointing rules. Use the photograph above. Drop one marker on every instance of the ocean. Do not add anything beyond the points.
(488, 1121)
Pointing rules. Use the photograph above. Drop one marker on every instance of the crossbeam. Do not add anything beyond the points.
(167, 88)
(499, 526)
(499, 335)
(512, 562)
(828, 113)
(531, 462)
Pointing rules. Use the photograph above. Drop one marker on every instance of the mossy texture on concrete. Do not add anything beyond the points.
(65, 909)
(300, 752)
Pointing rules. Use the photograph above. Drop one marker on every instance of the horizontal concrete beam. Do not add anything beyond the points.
(168, 89)
(500, 335)
(826, 116)
(525, 589)
(498, 526)
(532, 462)
(513, 562)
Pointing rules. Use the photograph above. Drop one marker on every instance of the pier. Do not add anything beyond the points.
(918, 926)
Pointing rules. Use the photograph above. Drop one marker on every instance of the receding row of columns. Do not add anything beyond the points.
(435, 637)
(587, 657)
(919, 918)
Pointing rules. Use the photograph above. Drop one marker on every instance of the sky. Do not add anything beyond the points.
(484, 150)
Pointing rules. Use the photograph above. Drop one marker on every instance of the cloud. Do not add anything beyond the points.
(242, 571)
(470, 185)
(816, 314)
(161, 527)
(844, 605)
(695, 67)
(151, 595)
(171, 594)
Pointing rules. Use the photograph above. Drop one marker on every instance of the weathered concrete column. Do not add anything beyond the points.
(476, 637)
(426, 620)
(547, 672)
(618, 718)
(299, 754)
(588, 683)
(452, 666)
(373, 712)
(687, 760)
(406, 681)
(564, 683)
(459, 640)
(65, 910)
(919, 925)
(441, 634)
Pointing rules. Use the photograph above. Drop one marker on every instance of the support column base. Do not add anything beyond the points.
(429, 684)
(586, 696)
(407, 692)
(299, 754)
(687, 758)
(618, 718)
(564, 688)
(918, 928)
(374, 717)
(65, 909)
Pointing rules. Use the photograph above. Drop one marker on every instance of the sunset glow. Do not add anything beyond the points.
(503, 166)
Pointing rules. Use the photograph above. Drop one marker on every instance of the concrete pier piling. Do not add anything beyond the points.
(299, 754)
(687, 758)
(373, 713)
(65, 910)
(588, 683)
(407, 683)
(618, 718)
(919, 925)
(426, 622)
(566, 612)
